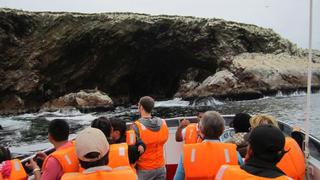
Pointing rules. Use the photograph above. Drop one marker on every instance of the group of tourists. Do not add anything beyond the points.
(257, 150)
(109, 150)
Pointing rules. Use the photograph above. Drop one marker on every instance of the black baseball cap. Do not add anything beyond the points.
(267, 141)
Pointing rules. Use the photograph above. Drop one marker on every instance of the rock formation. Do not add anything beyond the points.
(252, 75)
(82, 100)
(45, 55)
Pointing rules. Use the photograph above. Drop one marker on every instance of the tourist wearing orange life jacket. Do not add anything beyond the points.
(265, 150)
(126, 140)
(63, 160)
(188, 132)
(202, 160)
(154, 133)
(10, 169)
(92, 149)
(120, 153)
(292, 163)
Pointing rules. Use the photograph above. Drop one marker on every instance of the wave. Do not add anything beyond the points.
(208, 101)
(62, 112)
(176, 102)
(10, 124)
(292, 94)
(58, 113)
(83, 119)
(29, 148)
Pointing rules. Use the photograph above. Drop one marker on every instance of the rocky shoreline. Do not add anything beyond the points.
(253, 75)
(47, 55)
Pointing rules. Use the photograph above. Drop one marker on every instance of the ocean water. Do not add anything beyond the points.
(27, 133)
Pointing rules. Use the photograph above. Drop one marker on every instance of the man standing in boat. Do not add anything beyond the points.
(153, 131)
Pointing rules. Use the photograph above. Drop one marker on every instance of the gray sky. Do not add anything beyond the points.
(289, 18)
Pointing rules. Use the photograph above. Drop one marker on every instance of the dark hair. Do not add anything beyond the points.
(202, 109)
(101, 162)
(212, 125)
(4, 154)
(119, 125)
(147, 103)
(241, 122)
(59, 130)
(103, 124)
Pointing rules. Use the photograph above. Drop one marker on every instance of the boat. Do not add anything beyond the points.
(173, 149)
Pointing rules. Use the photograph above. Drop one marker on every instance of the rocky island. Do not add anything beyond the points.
(48, 56)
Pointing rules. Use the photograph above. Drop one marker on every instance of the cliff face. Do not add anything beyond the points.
(46, 55)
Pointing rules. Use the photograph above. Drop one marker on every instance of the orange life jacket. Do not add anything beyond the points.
(227, 172)
(118, 155)
(292, 163)
(17, 171)
(115, 174)
(67, 158)
(192, 135)
(153, 157)
(203, 160)
(130, 137)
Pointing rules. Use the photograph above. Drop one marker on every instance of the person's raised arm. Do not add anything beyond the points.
(184, 123)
